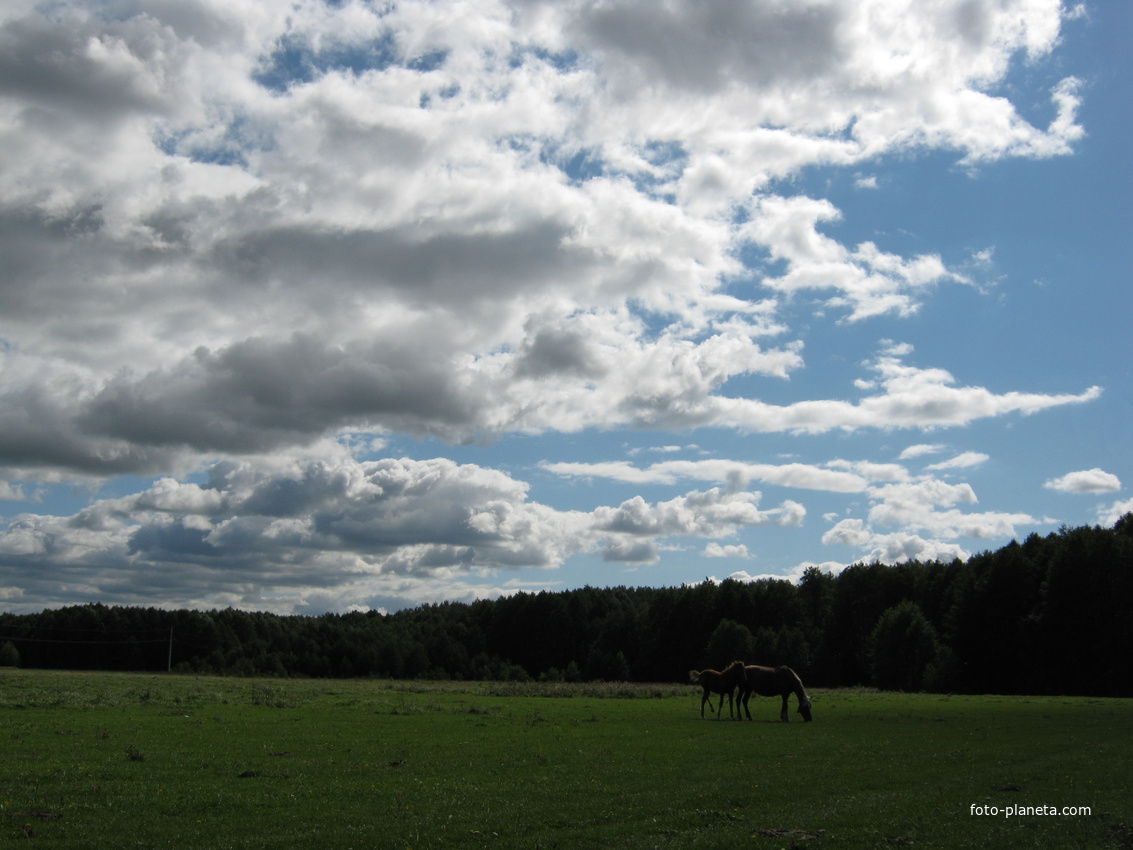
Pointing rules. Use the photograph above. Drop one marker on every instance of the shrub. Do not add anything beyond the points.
(9, 655)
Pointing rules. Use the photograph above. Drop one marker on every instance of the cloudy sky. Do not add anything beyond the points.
(310, 306)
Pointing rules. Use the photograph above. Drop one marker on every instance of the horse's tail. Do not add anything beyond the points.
(694, 676)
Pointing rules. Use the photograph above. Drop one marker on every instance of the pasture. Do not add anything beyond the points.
(160, 761)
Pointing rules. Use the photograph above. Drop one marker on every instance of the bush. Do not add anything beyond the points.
(9, 655)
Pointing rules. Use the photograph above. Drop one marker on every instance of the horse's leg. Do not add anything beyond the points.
(744, 697)
(783, 715)
(703, 697)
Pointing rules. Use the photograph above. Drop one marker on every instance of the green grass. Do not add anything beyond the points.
(146, 761)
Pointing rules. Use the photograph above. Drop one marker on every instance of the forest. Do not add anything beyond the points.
(1050, 615)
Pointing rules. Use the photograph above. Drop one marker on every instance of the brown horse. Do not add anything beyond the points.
(722, 683)
(774, 681)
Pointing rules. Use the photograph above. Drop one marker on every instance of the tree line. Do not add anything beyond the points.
(1052, 614)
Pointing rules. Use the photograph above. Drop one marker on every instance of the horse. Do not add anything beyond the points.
(772, 681)
(722, 683)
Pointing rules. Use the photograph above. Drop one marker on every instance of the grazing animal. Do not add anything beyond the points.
(773, 681)
(722, 683)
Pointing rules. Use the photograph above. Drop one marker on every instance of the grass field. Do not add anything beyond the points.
(159, 761)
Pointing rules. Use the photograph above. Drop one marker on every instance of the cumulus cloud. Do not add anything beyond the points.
(867, 281)
(921, 449)
(233, 232)
(713, 513)
(1087, 481)
(799, 475)
(893, 547)
(11, 492)
(270, 209)
(928, 516)
(909, 397)
(716, 550)
(327, 523)
(966, 460)
(288, 527)
(793, 574)
(1108, 516)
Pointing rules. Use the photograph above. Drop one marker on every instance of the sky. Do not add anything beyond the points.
(314, 306)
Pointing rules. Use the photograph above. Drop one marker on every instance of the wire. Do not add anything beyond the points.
(60, 640)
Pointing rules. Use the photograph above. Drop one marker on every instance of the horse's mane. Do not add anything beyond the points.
(694, 675)
(796, 682)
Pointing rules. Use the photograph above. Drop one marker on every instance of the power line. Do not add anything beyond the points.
(41, 628)
(85, 642)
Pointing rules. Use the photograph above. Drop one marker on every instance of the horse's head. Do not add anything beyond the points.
(739, 670)
(804, 709)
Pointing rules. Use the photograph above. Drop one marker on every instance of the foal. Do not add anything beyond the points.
(716, 682)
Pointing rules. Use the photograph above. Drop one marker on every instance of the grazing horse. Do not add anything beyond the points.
(722, 683)
(773, 681)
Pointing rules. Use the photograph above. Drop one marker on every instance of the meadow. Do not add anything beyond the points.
(166, 761)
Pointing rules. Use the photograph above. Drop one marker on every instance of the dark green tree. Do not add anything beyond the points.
(862, 592)
(996, 596)
(904, 644)
(1085, 633)
(9, 655)
(729, 642)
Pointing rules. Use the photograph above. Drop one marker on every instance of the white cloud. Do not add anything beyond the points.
(891, 548)
(927, 519)
(329, 523)
(966, 460)
(332, 527)
(235, 232)
(713, 513)
(270, 206)
(1110, 515)
(715, 550)
(867, 280)
(11, 492)
(918, 506)
(920, 450)
(803, 476)
(871, 471)
(794, 574)
(911, 397)
(1087, 481)
(1077, 11)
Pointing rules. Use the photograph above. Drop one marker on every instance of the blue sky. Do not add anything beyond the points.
(312, 307)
